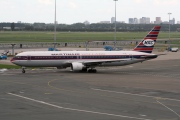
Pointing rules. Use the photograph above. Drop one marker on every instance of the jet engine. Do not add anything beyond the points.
(77, 66)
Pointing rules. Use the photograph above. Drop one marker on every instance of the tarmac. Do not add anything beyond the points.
(142, 91)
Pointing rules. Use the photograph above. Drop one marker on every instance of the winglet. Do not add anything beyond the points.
(147, 44)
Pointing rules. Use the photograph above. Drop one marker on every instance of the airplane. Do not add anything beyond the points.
(86, 61)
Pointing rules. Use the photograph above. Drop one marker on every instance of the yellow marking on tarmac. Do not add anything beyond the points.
(56, 88)
(49, 84)
(24, 84)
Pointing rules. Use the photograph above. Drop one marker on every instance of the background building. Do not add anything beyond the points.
(131, 20)
(144, 20)
(105, 22)
(158, 20)
(136, 21)
(172, 22)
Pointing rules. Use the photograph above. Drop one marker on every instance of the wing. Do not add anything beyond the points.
(98, 62)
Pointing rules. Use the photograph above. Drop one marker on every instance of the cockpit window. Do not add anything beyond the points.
(17, 57)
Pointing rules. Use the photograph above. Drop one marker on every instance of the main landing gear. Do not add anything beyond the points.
(23, 70)
(84, 70)
(92, 70)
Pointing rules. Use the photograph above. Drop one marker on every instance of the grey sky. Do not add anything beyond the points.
(73, 11)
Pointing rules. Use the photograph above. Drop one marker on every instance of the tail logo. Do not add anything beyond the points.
(148, 42)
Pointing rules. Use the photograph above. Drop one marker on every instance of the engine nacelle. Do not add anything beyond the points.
(77, 66)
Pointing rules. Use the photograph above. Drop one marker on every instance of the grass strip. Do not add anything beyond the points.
(4, 66)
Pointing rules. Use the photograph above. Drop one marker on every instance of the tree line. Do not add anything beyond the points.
(81, 27)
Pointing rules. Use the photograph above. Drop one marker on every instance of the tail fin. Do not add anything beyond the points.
(147, 44)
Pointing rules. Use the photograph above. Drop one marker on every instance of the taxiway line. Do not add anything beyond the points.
(72, 109)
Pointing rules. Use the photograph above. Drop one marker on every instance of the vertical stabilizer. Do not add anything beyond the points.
(147, 44)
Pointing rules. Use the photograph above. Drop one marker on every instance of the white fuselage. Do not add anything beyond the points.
(66, 58)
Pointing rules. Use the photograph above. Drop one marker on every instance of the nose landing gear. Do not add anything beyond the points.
(23, 70)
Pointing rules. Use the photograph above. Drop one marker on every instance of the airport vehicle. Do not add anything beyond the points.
(3, 56)
(110, 48)
(88, 60)
(174, 49)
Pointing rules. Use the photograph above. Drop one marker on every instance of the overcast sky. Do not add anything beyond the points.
(73, 11)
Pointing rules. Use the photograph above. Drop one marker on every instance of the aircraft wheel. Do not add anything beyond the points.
(23, 71)
(84, 70)
(92, 70)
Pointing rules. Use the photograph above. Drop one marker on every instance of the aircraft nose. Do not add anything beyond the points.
(12, 60)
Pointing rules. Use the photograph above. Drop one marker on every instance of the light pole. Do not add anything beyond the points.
(55, 27)
(169, 31)
(13, 48)
(115, 26)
